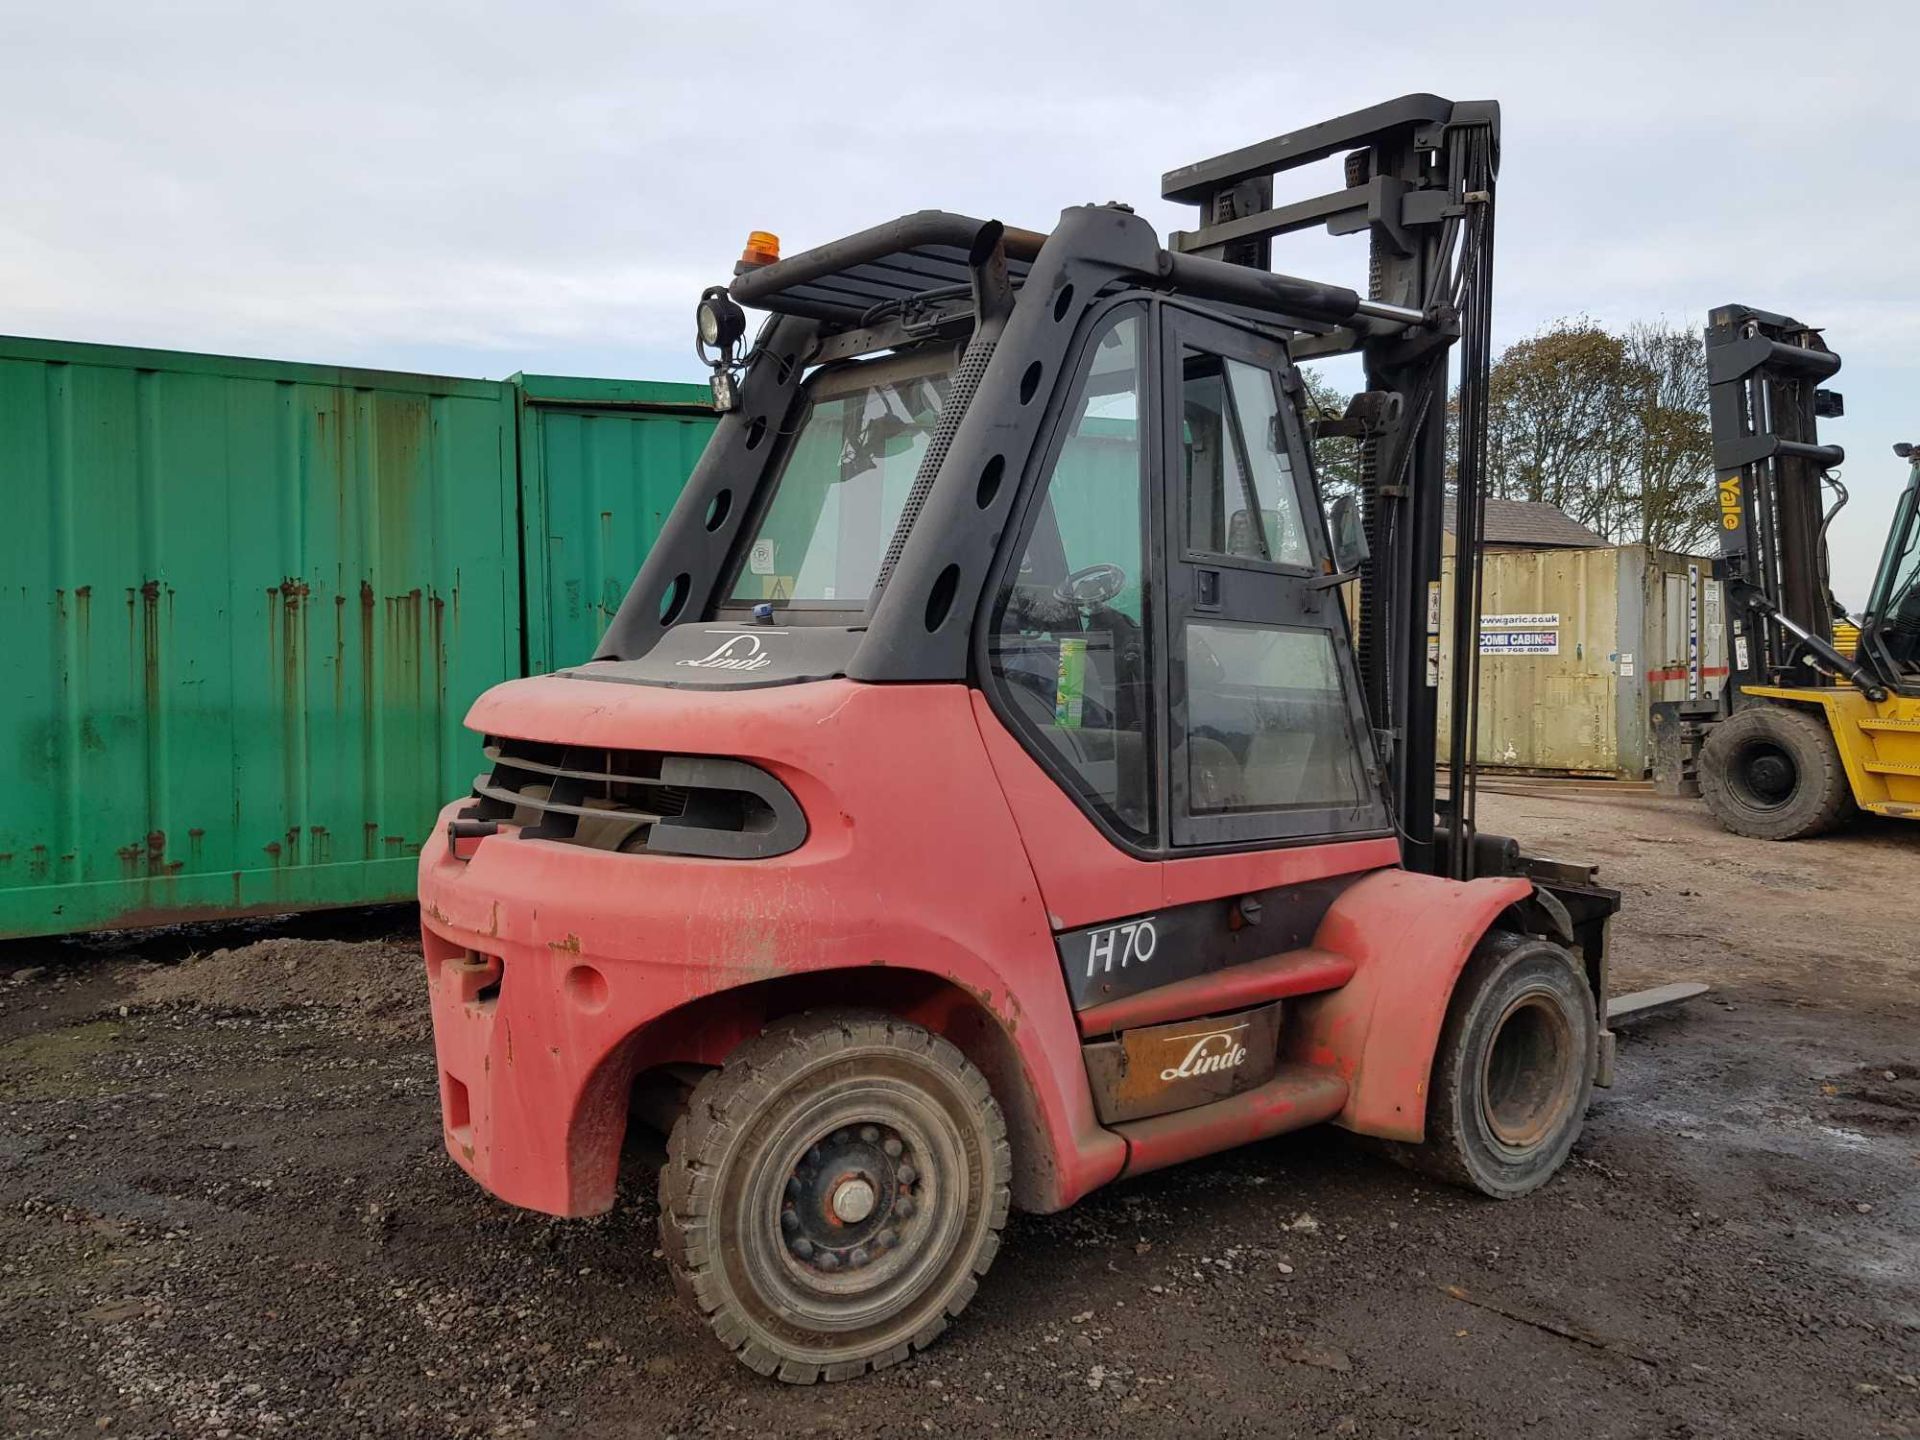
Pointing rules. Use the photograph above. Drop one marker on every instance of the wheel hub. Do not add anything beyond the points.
(852, 1198)
(1769, 774)
(1529, 1071)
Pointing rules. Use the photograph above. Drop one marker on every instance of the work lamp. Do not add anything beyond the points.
(717, 319)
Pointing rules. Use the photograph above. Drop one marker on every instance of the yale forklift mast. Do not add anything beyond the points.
(1803, 736)
(981, 797)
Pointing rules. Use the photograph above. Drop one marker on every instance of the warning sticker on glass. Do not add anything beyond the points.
(1070, 685)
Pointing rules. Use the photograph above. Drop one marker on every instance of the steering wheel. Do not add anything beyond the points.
(1091, 585)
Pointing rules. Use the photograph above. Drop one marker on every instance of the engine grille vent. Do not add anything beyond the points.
(636, 801)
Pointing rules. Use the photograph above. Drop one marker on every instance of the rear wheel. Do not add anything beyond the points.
(833, 1192)
(1513, 1071)
(1774, 773)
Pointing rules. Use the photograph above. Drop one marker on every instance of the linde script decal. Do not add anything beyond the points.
(736, 652)
(1212, 1052)
(1129, 944)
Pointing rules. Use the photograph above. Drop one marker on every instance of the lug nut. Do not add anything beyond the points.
(869, 1134)
(858, 1257)
(907, 1174)
(886, 1239)
(827, 1260)
(812, 1156)
(801, 1247)
(842, 1137)
(793, 1188)
(893, 1147)
(903, 1207)
(790, 1220)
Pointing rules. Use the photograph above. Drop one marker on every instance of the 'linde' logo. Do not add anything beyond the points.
(736, 652)
(1212, 1052)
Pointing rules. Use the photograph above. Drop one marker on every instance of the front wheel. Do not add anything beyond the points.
(833, 1193)
(1514, 1069)
(1774, 773)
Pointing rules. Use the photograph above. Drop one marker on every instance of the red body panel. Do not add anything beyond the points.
(1408, 936)
(1085, 879)
(1296, 1097)
(939, 854)
(1295, 972)
(906, 864)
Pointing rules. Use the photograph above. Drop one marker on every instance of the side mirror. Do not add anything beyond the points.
(1350, 550)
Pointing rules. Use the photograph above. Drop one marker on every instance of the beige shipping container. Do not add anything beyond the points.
(1575, 645)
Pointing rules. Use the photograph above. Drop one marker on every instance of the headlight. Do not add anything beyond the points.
(717, 320)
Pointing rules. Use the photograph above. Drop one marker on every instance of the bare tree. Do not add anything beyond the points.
(1336, 458)
(1611, 428)
(1555, 421)
(1672, 440)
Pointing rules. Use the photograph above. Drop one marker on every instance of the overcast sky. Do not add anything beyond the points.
(482, 188)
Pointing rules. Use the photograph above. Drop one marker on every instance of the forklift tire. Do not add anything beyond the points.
(1514, 1069)
(1774, 773)
(833, 1193)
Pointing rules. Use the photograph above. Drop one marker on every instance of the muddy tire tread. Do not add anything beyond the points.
(751, 1076)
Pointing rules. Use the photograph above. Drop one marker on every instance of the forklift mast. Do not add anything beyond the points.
(1765, 402)
(1420, 174)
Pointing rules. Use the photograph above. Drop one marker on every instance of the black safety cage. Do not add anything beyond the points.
(1419, 184)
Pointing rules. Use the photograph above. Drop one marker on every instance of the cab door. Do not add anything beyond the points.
(1268, 740)
(1168, 699)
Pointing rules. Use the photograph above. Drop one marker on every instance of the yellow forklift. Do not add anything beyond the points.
(1804, 735)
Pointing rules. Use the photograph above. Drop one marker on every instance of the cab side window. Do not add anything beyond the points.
(1241, 496)
(1070, 636)
(1267, 737)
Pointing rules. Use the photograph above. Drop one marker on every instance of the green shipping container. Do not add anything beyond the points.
(601, 464)
(245, 604)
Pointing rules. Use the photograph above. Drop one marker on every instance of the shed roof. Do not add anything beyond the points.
(1532, 523)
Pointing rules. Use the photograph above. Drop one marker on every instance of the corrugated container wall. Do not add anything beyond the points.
(1574, 647)
(245, 605)
(601, 464)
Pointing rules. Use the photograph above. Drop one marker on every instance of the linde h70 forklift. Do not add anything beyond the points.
(979, 797)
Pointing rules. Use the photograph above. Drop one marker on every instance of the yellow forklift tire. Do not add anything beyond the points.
(1774, 773)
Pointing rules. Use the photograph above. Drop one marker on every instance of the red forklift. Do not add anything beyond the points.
(983, 795)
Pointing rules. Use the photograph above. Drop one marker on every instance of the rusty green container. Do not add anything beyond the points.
(245, 604)
(601, 464)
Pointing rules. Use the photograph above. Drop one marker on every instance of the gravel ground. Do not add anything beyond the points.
(224, 1210)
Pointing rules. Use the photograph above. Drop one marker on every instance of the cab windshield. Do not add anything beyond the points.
(848, 470)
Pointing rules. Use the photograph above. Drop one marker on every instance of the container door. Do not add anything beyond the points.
(247, 605)
(1672, 670)
(602, 463)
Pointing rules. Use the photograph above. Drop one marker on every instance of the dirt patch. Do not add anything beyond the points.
(375, 986)
(229, 1212)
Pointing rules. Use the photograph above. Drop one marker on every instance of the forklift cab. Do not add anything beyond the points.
(1158, 633)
